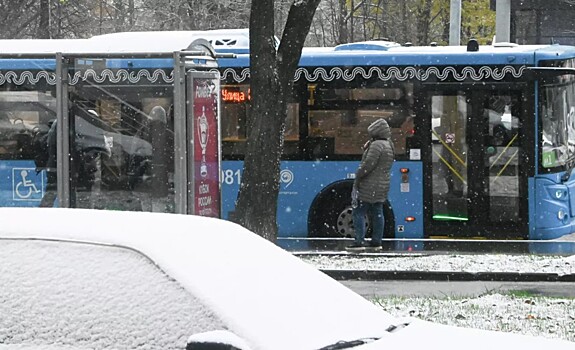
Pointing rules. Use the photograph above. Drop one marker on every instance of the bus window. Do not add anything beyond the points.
(291, 132)
(340, 117)
(557, 113)
(348, 128)
(236, 107)
(235, 111)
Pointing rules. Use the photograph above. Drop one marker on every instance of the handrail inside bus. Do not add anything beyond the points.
(453, 170)
(504, 150)
(504, 167)
(449, 149)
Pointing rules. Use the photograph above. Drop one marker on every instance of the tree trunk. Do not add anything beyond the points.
(423, 22)
(257, 200)
(342, 23)
(120, 15)
(272, 75)
(44, 20)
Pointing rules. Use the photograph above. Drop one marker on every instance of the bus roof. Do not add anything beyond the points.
(367, 53)
(125, 42)
(370, 54)
(40, 54)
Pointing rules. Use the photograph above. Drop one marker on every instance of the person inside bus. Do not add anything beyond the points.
(371, 185)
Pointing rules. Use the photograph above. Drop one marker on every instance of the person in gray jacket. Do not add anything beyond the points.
(371, 184)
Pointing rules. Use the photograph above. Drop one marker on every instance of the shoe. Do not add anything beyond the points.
(374, 246)
(356, 247)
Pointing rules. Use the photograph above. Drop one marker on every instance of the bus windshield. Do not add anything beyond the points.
(558, 122)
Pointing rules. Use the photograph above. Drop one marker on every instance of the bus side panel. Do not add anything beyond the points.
(544, 222)
(301, 181)
(406, 198)
(552, 208)
(20, 184)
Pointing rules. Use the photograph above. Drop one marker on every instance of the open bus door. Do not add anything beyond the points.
(474, 163)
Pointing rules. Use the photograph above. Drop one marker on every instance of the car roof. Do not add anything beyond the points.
(263, 293)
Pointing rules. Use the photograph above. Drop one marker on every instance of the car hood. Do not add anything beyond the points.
(264, 294)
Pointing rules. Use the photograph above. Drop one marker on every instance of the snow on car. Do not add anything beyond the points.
(132, 280)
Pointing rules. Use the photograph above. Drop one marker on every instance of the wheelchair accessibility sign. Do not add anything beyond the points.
(27, 185)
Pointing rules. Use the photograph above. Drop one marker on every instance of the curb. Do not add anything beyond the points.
(375, 275)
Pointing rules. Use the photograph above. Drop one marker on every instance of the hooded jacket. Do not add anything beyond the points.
(373, 174)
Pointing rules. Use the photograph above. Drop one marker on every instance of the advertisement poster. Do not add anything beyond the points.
(206, 155)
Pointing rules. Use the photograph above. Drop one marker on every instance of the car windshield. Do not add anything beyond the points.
(92, 296)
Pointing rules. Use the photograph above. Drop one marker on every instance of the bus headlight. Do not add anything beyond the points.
(561, 215)
(558, 194)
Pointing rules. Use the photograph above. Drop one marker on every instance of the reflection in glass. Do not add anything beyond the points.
(502, 152)
(122, 152)
(558, 116)
(449, 157)
(26, 116)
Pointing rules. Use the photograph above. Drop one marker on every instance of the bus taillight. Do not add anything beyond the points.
(404, 175)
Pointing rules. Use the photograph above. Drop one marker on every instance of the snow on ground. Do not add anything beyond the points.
(531, 315)
(568, 238)
(446, 263)
(517, 313)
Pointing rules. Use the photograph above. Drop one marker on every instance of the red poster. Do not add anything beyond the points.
(206, 147)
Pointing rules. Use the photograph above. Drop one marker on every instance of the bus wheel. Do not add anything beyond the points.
(330, 214)
(344, 224)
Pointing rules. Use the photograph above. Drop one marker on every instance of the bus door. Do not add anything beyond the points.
(475, 181)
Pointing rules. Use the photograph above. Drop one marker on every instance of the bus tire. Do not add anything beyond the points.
(331, 216)
(332, 204)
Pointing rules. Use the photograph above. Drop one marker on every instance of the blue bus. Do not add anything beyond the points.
(108, 123)
(484, 138)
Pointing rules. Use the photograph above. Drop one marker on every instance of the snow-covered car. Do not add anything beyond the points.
(85, 279)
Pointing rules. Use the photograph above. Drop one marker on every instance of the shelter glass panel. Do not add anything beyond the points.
(122, 149)
(27, 111)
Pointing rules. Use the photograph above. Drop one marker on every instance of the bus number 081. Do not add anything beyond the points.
(229, 176)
